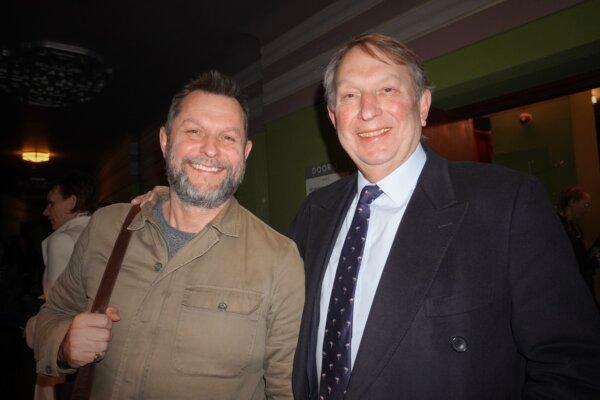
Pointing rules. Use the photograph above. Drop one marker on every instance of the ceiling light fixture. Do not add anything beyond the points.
(36, 156)
(52, 74)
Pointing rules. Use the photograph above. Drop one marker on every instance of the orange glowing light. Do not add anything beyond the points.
(36, 156)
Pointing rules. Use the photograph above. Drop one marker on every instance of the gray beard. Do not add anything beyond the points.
(210, 198)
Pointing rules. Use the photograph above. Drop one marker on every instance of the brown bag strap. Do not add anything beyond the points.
(85, 374)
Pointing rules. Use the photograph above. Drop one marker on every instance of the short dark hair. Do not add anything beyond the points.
(213, 82)
(82, 187)
(570, 195)
(372, 44)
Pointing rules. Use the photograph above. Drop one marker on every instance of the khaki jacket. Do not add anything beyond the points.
(219, 320)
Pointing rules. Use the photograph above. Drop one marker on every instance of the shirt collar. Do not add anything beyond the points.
(401, 182)
(227, 220)
(77, 220)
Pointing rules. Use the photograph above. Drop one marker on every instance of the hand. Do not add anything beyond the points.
(88, 337)
(150, 196)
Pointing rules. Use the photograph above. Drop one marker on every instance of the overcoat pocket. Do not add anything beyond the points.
(459, 303)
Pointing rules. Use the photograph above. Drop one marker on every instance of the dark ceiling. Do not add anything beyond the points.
(152, 47)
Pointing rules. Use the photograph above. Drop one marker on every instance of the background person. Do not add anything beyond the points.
(71, 200)
(70, 204)
(573, 204)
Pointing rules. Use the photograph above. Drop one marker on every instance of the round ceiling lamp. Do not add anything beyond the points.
(52, 74)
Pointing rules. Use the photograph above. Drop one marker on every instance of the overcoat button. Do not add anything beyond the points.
(222, 306)
(158, 266)
(459, 344)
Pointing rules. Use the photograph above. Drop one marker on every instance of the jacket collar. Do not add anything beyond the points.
(227, 220)
(435, 180)
(79, 219)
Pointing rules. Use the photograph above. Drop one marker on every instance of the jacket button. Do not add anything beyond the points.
(222, 306)
(158, 266)
(459, 344)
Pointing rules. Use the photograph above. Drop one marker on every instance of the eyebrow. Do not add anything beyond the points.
(385, 78)
(195, 121)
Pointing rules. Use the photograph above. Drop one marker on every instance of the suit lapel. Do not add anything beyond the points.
(431, 219)
(328, 217)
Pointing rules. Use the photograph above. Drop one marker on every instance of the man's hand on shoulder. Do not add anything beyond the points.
(150, 196)
(87, 338)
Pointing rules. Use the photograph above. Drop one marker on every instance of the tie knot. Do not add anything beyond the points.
(369, 193)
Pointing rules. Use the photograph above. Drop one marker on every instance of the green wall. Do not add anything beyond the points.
(295, 142)
(548, 49)
(543, 147)
(253, 193)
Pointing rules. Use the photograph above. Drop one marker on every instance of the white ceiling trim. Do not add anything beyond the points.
(249, 75)
(322, 22)
(432, 16)
(410, 25)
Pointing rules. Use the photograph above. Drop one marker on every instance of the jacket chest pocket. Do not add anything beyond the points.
(459, 303)
(216, 330)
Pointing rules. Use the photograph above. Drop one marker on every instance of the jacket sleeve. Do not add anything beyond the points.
(67, 299)
(554, 322)
(283, 321)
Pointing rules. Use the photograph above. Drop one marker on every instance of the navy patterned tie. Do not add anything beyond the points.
(336, 366)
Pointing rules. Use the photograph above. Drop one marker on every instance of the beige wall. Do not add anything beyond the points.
(454, 140)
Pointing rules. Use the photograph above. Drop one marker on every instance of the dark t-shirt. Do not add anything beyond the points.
(176, 239)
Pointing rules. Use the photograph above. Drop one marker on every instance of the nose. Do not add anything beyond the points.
(46, 212)
(369, 106)
(210, 146)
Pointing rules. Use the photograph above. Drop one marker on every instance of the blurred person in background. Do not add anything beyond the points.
(71, 201)
(70, 204)
(573, 204)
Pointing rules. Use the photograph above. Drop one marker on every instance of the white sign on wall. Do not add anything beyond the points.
(320, 175)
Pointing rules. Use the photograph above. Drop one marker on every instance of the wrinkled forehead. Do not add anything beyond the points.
(216, 107)
(361, 52)
(369, 64)
(206, 100)
(378, 54)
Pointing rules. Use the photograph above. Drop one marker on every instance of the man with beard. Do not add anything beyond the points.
(208, 301)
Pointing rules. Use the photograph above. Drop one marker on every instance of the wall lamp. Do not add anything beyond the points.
(36, 156)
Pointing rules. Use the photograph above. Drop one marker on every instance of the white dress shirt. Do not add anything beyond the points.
(386, 213)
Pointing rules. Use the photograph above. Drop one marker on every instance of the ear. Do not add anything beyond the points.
(162, 137)
(424, 105)
(71, 202)
(248, 148)
(331, 116)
